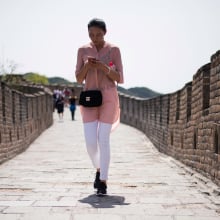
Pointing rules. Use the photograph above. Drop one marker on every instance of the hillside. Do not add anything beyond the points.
(58, 80)
(141, 92)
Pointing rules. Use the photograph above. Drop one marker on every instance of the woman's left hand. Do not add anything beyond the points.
(112, 74)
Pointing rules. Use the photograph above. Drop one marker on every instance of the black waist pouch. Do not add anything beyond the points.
(90, 98)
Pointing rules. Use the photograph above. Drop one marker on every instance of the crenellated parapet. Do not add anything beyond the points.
(25, 112)
(184, 124)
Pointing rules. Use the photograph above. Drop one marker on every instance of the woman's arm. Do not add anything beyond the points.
(110, 73)
(117, 62)
(82, 73)
(115, 73)
(82, 67)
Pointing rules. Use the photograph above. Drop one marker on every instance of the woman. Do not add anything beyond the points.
(99, 65)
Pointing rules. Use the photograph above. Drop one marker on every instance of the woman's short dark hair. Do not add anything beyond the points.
(96, 22)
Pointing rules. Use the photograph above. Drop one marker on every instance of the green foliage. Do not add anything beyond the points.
(12, 78)
(36, 78)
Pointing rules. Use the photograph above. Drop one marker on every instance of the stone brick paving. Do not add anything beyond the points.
(53, 179)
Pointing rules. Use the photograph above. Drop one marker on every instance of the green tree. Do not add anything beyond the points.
(36, 78)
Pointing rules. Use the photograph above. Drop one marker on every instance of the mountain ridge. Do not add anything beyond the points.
(141, 92)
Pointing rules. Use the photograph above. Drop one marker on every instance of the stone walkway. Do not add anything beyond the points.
(53, 179)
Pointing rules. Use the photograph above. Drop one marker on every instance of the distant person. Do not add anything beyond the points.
(60, 106)
(54, 100)
(100, 61)
(66, 93)
(72, 103)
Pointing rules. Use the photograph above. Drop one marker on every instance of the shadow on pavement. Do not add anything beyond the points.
(108, 201)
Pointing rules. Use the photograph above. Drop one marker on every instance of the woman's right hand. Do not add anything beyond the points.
(91, 62)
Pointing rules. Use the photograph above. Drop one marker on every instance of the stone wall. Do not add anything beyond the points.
(25, 112)
(184, 124)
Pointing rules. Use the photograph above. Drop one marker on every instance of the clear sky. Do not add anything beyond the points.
(163, 42)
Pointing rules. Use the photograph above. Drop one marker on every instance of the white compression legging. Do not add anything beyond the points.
(97, 136)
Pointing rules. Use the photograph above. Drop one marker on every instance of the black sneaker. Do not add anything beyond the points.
(97, 180)
(102, 189)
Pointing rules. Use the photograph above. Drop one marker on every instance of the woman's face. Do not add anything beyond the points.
(96, 35)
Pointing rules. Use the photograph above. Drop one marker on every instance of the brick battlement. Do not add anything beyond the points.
(186, 123)
(25, 112)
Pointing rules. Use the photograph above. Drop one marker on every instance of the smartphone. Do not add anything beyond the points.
(92, 59)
